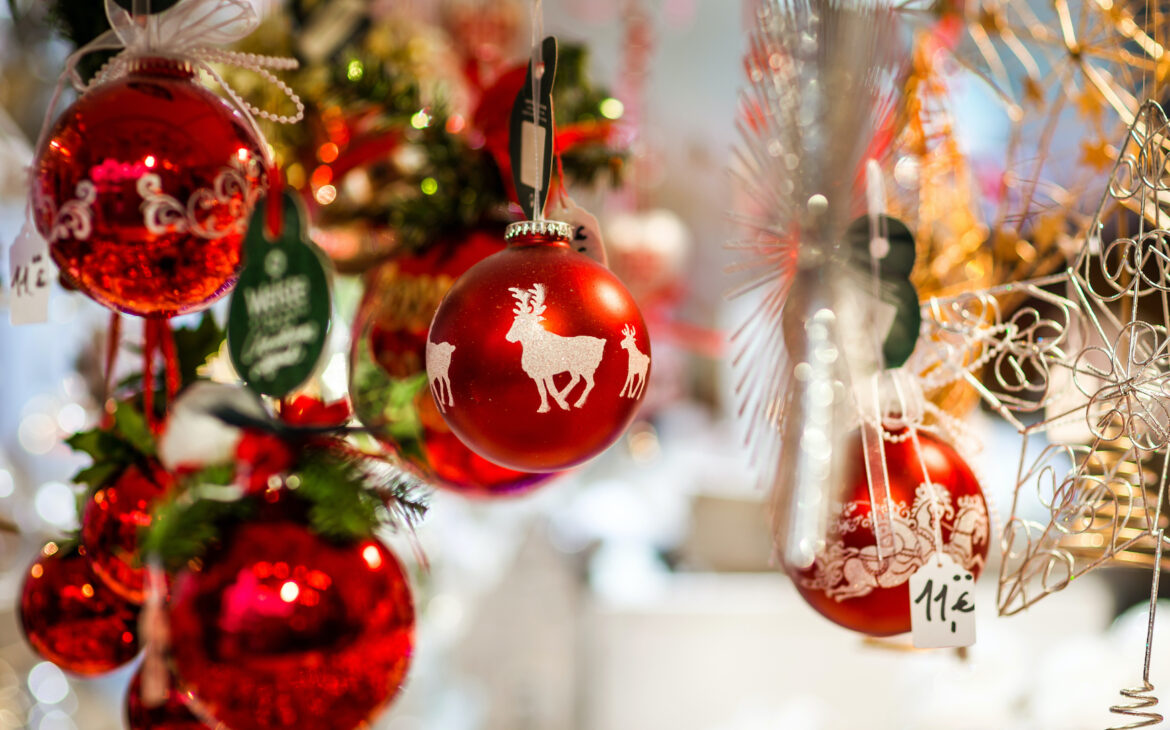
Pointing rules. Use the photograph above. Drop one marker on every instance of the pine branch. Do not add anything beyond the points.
(186, 525)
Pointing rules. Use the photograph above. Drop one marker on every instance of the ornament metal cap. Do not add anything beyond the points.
(555, 229)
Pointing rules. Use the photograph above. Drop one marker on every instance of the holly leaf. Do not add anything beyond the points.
(193, 345)
(132, 426)
(110, 453)
(97, 443)
(99, 474)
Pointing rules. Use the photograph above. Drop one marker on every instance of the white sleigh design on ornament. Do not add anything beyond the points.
(438, 363)
(639, 364)
(850, 572)
(547, 354)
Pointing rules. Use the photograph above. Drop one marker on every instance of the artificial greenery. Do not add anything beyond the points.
(347, 496)
(422, 178)
(126, 442)
(185, 525)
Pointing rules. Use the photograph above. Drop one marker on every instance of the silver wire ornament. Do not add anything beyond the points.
(1096, 363)
(821, 82)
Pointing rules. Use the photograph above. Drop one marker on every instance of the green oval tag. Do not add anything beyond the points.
(278, 318)
(894, 269)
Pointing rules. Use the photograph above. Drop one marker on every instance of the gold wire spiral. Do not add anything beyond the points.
(1141, 701)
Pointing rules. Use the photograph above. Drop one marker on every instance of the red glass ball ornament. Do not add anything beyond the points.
(846, 583)
(143, 190)
(538, 357)
(110, 526)
(71, 618)
(173, 714)
(280, 628)
(388, 368)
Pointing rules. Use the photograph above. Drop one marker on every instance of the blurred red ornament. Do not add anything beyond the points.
(538, 356)
(110, 524)
(280, 628)
(847, 583)
(143, 190)
(71, 618)
(388, 367)
(172, 714)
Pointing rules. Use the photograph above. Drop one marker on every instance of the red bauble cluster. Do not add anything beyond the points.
(280, 628)
(388, 358)
(847, 584)
(111, 523)
(71, 618)
(143, 189)
(538, 356)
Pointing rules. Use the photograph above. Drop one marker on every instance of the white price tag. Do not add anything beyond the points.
(586, 229)
(32, 273)
(942, 604)
(532, 154)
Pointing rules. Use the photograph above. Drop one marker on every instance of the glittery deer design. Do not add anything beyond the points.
(438, 362)
(639, 363)
(547, 354)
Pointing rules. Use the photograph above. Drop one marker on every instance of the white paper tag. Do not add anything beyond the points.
(531, 157)
(32, 273)
(586, 229)
(942, 604)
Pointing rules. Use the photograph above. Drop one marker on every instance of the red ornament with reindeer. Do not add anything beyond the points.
(848, 583)
(388, 368)
(538, 356)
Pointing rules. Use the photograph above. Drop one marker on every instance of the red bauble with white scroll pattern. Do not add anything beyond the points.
(538, 356)
(846, 583)
(143, 189)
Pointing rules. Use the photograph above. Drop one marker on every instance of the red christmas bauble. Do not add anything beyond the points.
(538, 356)
(143, 191)
(71, 618)
(388, 369)
(847, 584)
(280, 628)
(110, 524)
(173, 714)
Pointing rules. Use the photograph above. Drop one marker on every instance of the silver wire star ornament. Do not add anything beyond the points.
(1095, 362)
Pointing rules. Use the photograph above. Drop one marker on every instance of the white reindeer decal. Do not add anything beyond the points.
(639, 363)
(438, 362)
(547, 354)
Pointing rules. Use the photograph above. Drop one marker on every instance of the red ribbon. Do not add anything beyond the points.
(158, 337)
(261, 454)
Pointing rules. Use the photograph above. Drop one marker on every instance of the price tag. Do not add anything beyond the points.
(278, 318)
(32, 277)
(530, 145)
(942, 604)
(586, 229)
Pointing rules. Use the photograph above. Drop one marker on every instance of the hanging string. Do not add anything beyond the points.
(537, 74)
(113, 344)
(166, 337)
(561, 191)
(149, 345)
(275, 209)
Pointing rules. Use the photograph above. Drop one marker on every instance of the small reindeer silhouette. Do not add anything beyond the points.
(547, 354)
(438, 362)
(639, 364)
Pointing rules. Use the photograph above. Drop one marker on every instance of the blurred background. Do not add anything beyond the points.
(636, 592)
